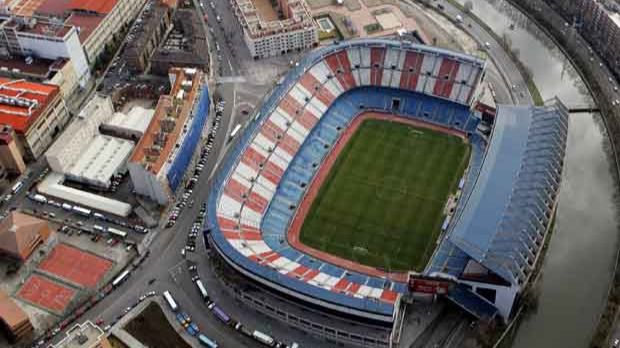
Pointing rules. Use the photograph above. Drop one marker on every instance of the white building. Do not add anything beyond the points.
(129, 126)
(267, 35)
(45, 38)
(101, 19)
(85, 155)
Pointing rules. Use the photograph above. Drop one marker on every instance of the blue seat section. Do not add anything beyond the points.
(377, 282)
(332, 270)
(472, 303)
(290, 253)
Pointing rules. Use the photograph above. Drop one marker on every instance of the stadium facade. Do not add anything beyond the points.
(496, 232)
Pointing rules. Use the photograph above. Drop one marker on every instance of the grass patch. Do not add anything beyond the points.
(152, 329)
(382, 203)
(373, 28)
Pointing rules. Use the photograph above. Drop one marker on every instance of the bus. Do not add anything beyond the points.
(205, 341)
(235, 131)
(18, 186)
(170, 300)
(262, 338)
(121, 278)
(202, 289)
(117, 233)
(81, 211)
(219, 313)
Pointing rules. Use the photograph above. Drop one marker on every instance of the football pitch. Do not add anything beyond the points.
(382, 203)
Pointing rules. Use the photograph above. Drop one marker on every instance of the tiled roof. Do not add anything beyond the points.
(98, 6)
(21, 102)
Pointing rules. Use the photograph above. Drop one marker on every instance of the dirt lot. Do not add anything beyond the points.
(152, 329)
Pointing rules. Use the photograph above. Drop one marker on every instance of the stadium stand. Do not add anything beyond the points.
(501, 221)
(512, 179)
(277, 158)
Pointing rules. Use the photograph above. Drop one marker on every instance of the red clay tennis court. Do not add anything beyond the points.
(76, 266)
(46, 293)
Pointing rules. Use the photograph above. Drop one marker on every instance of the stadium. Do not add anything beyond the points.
(368, 174)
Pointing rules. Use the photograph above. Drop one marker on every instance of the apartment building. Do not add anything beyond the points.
(271, 31)
(162, 155)
(30, 38)
(36, 111)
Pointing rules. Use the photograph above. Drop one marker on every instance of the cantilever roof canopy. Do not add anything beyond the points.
(508, 211)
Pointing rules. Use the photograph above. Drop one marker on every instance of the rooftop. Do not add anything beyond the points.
(101, 159)
(168, 123)
(84, 335)
(26, 8)
(21, 102)
(525, 141)
(136, 120)
(34, 68)
(57, 8)
(39, 26)
(96, 6)
(257, 16)
(19, 234)
(85, 24)
(10, 312)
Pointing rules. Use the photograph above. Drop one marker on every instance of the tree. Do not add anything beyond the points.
(469, 6)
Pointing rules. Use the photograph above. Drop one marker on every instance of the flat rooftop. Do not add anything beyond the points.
(84, 335)
(39, 26)
(21, 102)
(266, 10)
(38, 68)
(86, 24)
(26, 8)
(167, 125)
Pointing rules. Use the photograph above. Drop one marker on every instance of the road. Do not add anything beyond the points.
(508, 69)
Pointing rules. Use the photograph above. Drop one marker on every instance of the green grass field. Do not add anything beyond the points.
(382, 203)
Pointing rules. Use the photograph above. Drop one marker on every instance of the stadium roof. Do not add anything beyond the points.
(22, 102)
(505, 217)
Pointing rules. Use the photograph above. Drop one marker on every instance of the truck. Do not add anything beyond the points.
(170, 300)
(194, 327)
(235, 131)
(117, 233)
(39, 198)
(190, 330)
(18, 186)
(263, 338)
(202, 289)
(206, 341)
(121, 278)
(81, 211)
(219, 313)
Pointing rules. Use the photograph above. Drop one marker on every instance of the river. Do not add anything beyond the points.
(578, 266)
